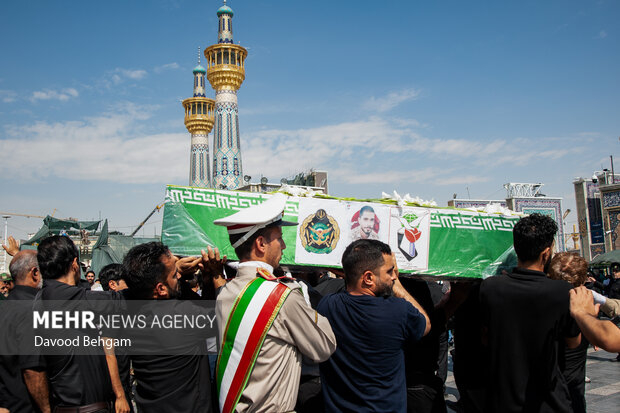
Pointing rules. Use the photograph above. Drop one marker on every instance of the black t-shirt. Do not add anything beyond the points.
(527, 315)
(421, 356)
(17, 398)
(366, 373)
(177, 378)
(77, 380)
(614, 288)
(574, 369)
(470, 359)
(328, 285)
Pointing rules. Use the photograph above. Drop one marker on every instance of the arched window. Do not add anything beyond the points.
(219, 131)
(202, 170)
(237, 130)
(229, 131)
(193, 165)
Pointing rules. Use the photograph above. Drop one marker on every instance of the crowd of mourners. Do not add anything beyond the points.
(360, 340)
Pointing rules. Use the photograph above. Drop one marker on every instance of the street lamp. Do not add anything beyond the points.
(6, 241)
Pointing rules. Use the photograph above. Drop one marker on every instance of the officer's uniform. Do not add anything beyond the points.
(296, 330)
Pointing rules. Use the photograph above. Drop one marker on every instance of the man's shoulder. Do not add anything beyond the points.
(331, 299)
(496, 281)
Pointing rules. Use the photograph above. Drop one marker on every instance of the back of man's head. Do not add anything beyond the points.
(21, 264)
(55, 256)
(532, 234)
(111, 272)
(361, 256)
(569, 266)
(143, 268)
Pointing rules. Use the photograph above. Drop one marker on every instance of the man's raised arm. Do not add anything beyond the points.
(601, 333)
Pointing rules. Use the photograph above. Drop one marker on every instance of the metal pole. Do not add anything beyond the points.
(613, 176)
(6, 242)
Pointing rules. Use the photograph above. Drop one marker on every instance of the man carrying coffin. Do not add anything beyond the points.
(264, 322)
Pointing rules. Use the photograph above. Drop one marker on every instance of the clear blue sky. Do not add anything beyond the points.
(422, 97)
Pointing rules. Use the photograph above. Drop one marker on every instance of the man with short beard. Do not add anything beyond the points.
(525, 315)
(365, 228)
(373, 320)
(86, 382)
(176, 377)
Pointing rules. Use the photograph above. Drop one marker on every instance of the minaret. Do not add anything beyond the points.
(199, 122)
(226, 72)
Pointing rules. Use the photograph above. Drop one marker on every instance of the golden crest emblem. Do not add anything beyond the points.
(319, 233)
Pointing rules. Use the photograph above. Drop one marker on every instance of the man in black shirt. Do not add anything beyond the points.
(23, 374)
(76, 381)
(525, 315)
(169, 380)
(424, 386)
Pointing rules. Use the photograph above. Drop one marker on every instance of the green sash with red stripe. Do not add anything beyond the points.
(250, 319)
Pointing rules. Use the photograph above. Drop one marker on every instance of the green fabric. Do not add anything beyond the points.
(113, 249)
(103, 236)
(604, 260)
(463, 244)
(41, 234)
(56, 225)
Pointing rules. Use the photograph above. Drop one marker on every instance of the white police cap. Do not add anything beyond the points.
(243, 224)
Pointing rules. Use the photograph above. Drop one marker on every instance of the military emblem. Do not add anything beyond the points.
(408, 234)
(263, 273)
(319, 233)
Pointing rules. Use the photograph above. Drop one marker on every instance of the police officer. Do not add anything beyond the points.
(265, 308)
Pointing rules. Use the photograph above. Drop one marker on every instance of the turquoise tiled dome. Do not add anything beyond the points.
(224, 10)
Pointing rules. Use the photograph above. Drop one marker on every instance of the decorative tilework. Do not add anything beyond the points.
(222, 199)
(548, 206)
(474, 203)
(472, 220)
(596, 249)
(200, 175)
(611, 199)
(592, 189)
(614, 226)
(227, 169)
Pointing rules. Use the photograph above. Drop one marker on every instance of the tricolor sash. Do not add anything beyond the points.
(249, 320)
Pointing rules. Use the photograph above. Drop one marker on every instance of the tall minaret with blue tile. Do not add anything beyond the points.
(199, 122)
(226, 73)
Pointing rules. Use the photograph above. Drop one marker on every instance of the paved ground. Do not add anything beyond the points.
(602, 393)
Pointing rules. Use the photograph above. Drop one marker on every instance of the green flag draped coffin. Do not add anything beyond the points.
(443, 242)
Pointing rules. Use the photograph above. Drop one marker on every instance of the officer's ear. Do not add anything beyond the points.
(260, 243)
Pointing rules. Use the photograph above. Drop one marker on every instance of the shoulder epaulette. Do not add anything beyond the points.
(265, 274)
